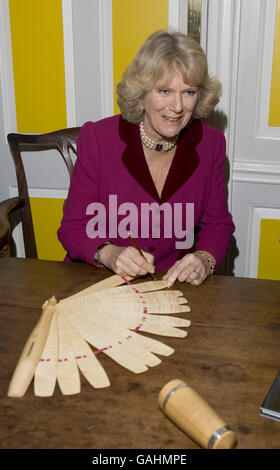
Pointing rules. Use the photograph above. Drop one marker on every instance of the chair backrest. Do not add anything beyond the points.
(62, 140)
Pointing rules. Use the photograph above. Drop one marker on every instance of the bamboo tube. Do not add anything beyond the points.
(194, 416)
(32, 351)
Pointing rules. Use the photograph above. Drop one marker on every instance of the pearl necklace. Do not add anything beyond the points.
(153, 145)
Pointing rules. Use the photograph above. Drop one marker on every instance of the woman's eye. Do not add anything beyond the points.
(190, 92)
(164, 92)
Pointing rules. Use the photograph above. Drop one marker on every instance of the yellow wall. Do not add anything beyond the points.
(133, 21)
(47, 214)
(40, 96)
(269, 250)
(38, 62)
(274, 113)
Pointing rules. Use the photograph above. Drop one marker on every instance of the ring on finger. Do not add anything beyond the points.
(198, 276)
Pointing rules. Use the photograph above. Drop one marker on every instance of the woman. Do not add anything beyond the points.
(156, 170)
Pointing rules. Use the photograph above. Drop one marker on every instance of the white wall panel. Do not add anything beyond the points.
(87, 60)
(69, 63)
(253, 88)
(246, 196)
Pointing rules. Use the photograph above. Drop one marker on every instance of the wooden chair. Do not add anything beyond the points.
(61, 140)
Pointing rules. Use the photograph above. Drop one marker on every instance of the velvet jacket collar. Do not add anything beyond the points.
(184, 163)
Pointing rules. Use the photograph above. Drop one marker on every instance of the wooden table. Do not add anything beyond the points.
(230, 356)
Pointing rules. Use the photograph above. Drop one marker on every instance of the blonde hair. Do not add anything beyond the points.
(160, 54)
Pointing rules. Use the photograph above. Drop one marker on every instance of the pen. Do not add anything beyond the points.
(135, 244)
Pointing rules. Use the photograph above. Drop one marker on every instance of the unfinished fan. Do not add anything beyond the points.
(104, 318)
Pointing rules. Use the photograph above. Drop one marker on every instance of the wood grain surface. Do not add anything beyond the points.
(230, 357)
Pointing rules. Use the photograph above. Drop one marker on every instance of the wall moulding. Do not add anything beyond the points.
(177, 15)
(223, 42)
(106, 58)
(256, 172)
(6, 70)
(69, 63)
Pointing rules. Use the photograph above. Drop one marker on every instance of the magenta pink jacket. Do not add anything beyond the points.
(111, 165)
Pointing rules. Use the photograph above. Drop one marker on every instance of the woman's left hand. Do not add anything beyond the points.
(192, 268)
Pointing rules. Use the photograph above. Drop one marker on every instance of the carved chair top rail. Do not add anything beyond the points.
(62, 140)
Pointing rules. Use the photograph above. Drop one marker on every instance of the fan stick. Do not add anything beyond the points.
(116, 342)
(45, 373)
(109, 282)
(32, 351)
(156, 324)
(85, 358)
(68, 376)
(152, 344)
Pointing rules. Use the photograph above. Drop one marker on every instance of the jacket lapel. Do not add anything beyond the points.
(184, 163)
(185, 160)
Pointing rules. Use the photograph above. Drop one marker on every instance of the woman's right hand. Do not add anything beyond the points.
(126, 261)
